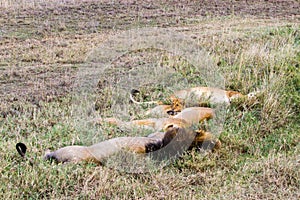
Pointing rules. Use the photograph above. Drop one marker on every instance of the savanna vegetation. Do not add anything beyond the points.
(254, 44)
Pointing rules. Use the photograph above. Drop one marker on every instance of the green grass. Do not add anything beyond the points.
(259, 158)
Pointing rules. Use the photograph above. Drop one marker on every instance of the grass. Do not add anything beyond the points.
(259, 158)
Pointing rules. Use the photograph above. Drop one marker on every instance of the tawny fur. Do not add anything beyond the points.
(202, 136)
(166, 110)
(186, 118)
(99, 152)
(153, 124)
(194, 115)
(198, 95)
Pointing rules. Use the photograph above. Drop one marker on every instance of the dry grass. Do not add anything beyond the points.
(40, 55)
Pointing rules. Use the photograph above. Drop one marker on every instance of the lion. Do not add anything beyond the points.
(99, 152)
(185, 119)
(152, 124)
(197, 96)
(210, 94)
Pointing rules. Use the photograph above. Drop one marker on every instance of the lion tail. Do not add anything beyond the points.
(21, 148)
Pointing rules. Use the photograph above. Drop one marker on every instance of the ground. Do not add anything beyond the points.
(254, 43)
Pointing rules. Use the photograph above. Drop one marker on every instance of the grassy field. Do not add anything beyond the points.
(255, 45)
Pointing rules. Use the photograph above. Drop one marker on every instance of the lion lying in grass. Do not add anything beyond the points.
(186, 118)
(196, 96)
(99, 152)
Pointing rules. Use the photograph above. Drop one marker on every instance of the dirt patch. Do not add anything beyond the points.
(33, 84)
(84, 17)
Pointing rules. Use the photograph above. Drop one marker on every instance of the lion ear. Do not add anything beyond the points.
(200, 132)
(168, 127)
(170, 133)
(173, 98)
(231, 93)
